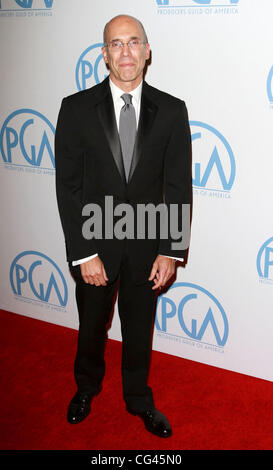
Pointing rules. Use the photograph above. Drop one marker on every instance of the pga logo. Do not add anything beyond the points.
(269, 86)
(27, 139)
(196, 2)
(35, 276)
(90, 68)
(265, 260)
(27, 4)
(213, 159)
(188, 310)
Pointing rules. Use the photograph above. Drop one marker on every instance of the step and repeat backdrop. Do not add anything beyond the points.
(217, 55)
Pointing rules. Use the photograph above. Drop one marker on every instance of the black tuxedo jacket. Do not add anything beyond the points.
(89, 166)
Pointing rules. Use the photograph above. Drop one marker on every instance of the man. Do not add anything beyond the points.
(125, 139)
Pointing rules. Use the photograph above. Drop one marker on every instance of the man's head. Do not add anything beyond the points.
(126, 63)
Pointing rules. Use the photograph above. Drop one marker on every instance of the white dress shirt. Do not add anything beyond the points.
(118, 104)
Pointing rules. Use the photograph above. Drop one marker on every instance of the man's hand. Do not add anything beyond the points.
(93, 272)
(162, 270)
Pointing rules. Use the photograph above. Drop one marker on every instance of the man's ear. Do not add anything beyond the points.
(148, 51)
(104, 53)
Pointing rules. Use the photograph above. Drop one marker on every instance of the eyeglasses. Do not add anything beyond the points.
(117, 45)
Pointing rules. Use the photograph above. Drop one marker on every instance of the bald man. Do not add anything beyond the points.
(125, 139)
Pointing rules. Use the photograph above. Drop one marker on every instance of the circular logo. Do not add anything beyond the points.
(213, 159)
(35, 276)
(269, 85)
(27, 139)
(265, 260)
(191, 310)
(90, 68)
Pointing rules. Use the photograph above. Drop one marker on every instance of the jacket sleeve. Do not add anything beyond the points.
(178, 186)
(69, 160)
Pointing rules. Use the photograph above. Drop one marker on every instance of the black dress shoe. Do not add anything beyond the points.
(79, 408)
(155, 422)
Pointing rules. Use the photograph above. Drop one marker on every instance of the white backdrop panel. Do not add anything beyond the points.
(217, 56)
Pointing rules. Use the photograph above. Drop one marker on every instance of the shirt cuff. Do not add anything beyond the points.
(177, 259)
(83, 260)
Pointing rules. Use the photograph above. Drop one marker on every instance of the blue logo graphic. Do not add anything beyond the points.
(27, 139)
(197, 314)
(90, 68)
(208, 2)
(35, 276)
(196, 2)
(215, 166)
(27, 4)
(269, 85)
(265, 260)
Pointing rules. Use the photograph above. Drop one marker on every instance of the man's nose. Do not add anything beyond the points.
(126, 49)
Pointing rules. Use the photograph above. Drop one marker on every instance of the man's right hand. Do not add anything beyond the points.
(93, 272)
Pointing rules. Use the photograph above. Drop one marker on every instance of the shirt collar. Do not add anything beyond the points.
(117, 92)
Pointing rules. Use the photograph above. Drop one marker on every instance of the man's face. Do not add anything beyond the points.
(126, 65)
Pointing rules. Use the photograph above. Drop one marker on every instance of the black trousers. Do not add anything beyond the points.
(136, 306)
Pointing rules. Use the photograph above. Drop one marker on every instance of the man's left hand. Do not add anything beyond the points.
(162, 270)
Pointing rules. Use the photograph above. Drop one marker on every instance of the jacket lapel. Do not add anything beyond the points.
(106, 113)
(148, 111)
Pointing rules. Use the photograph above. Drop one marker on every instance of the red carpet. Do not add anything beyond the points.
(209, 408)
